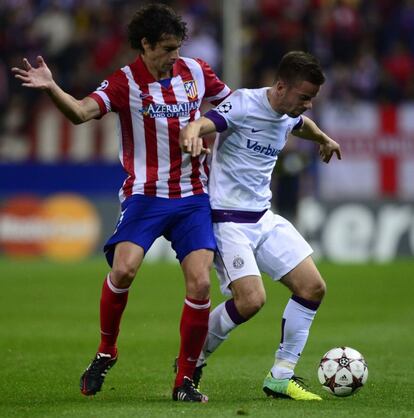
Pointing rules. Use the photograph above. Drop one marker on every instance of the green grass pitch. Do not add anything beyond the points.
(49, 332)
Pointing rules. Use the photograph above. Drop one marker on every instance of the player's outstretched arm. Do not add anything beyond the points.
(191, 140)
(40, 77)
(327, 146)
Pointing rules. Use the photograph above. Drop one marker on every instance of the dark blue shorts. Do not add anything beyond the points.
(185, 222)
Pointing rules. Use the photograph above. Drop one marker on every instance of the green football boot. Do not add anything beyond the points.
(288, 388)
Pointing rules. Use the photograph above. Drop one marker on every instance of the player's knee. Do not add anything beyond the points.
(315, 291)
(198, 270)
(197, 277)
(249, 305)
(321, 291)
(199, 288)
(256, 303)
(123, 275)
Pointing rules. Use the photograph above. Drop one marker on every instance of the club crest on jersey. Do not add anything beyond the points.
(191, 89)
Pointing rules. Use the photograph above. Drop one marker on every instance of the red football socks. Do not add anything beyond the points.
(113, 302)
(193, 331)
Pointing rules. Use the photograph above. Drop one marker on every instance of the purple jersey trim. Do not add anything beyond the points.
(218, 120)
(310, 304)
(233, 312)
(238, 216)
(299, 124)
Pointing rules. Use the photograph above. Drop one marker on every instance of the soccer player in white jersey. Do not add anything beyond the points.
(254, 126)
(165, 190)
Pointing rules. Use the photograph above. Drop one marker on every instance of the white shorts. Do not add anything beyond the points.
(272, 246)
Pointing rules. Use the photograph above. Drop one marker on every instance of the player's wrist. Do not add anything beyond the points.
(51, 87)
(323, 139)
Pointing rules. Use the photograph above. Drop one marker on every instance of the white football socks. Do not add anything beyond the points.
(219, 327)
(296, 322)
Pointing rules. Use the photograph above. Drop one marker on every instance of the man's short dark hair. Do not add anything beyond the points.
(153, 22)
(297, 66)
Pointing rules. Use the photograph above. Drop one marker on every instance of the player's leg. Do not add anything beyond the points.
(195, 315)
(194, 322)
(114, 296)
(308, 289)
(141, 222)
(127, 259)
(193, 240)
(248, 297)
(292, 263)
(240, 278)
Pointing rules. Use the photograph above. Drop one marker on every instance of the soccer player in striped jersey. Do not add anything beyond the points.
(165, 190)
(255, 124)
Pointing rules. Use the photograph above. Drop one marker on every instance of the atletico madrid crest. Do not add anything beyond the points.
(191, 89)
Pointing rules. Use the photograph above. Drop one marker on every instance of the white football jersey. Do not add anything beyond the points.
(245, 154)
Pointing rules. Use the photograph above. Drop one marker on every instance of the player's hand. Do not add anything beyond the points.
(328, 148)
(39, 77)
(191, 143)
(194, 146)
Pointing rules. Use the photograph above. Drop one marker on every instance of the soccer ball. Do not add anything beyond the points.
(342, 371)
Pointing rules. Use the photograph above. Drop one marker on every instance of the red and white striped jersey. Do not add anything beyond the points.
(150, 117)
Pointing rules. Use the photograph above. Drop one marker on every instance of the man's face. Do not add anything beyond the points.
(163, 54)
(296, 98)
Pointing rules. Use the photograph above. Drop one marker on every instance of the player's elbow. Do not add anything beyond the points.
(79, 117)
(77, 121)
(84, 111)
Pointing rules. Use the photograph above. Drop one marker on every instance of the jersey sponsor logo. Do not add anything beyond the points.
(175, 110)
(224, 107)
(263, 149)
(256, 130)
(191, 89)
(103, 85)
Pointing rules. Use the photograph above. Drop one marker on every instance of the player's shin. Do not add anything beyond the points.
(223, 319)
(193, 331)
(113, 302)
(297, 320)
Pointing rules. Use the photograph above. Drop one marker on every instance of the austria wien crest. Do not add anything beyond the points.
(191, 89)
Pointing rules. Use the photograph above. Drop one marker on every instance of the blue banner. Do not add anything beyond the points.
(95, 179)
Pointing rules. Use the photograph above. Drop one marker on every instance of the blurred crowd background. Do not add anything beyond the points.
(360, 208)
(365, 46)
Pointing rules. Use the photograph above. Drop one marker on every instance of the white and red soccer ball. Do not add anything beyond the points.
(342, 371)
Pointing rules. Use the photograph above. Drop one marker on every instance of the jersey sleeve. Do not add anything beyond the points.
(230, 113)
(110, 95)
(297, 123)
(216, 90)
